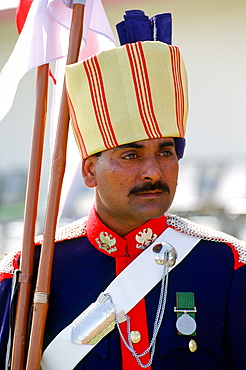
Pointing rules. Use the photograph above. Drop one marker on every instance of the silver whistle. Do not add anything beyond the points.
(160, 250)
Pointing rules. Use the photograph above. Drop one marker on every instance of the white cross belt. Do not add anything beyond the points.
(126, 290)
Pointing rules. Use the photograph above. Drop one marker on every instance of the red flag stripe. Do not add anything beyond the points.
(21, 13)
(143, 95)
(99, 102)
(178, 88)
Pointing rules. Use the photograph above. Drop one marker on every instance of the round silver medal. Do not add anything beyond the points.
(186, 324)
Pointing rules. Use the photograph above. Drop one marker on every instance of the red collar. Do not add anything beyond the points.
(110, 243)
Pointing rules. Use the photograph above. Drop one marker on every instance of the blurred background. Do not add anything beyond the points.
(212, 182)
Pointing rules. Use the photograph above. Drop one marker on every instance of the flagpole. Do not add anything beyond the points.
(30, 217)
(41, 296)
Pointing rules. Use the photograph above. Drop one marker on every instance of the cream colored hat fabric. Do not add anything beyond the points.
(134, 92)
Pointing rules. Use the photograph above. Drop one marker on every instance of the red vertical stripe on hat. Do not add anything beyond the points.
(142, 89)
(99, 101)
(93, 84)
(77, 131)
(178, 88)
(104, 105)
(149, 99)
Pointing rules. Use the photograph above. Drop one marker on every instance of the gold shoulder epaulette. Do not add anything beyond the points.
(191, 228)
(70, 231)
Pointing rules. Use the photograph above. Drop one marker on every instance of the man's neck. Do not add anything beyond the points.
(111, 243)
(120, 227)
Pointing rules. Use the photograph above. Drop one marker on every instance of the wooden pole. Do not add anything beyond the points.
(41, 296)
(30, 217)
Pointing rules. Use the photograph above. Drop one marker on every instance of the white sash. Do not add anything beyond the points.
(126, 290)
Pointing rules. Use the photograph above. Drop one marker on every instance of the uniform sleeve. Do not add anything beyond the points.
(236, 321)
(7, 267)
(5, 297)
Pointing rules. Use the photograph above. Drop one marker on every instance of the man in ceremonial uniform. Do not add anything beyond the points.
(129, 109)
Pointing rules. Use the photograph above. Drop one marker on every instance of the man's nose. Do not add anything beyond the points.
(150, 169)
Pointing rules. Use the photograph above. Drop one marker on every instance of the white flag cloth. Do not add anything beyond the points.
(44, 38)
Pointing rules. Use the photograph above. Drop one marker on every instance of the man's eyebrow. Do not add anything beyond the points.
(167, 143)
(130, 145)
(140, 146)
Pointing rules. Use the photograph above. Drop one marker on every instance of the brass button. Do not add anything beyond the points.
(192, 345)
(135, 336)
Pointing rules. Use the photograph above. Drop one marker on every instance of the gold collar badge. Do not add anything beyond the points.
(145, 238)
(106, 242)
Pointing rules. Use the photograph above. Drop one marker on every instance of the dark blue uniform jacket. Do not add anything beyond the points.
(81, 273)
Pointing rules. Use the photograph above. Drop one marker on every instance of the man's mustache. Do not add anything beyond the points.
(148, 186)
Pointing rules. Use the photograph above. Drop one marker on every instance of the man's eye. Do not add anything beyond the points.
(130, 156)
(166, 153)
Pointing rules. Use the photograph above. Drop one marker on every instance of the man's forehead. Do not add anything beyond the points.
(142, 144)
(165, 141)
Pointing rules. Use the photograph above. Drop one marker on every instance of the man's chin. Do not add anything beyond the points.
(150, 211)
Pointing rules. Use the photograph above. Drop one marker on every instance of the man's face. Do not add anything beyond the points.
(134, 182)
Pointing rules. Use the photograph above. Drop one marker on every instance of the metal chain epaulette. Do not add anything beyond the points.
(78, 228)
(191, 228)
(6, 263)
(70, 231)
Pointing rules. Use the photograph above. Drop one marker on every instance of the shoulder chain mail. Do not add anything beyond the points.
(191, 228)
(6, 263)
(78, 228)
(70, 231)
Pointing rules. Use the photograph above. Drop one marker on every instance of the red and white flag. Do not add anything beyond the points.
(44, 35)
(44, 38)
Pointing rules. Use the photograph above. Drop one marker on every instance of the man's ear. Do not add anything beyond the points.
(88, 172)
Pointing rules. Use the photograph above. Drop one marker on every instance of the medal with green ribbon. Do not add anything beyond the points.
(185, 308)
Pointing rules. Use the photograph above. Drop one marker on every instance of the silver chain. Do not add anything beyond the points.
(157, 324)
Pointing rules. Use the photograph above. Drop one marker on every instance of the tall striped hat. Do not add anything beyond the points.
(134, 92)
